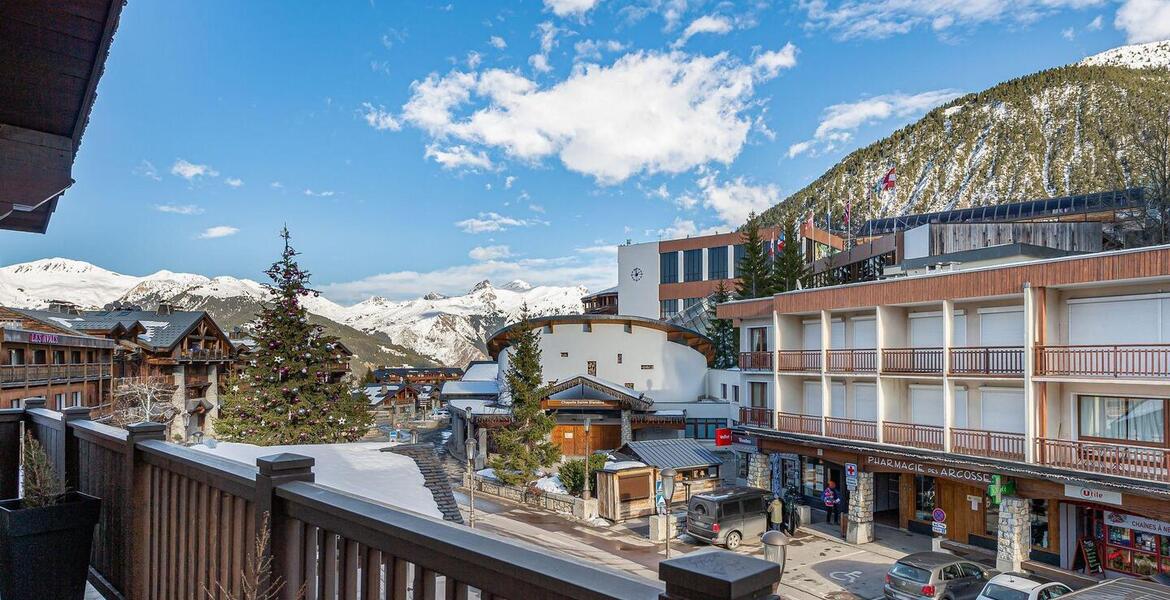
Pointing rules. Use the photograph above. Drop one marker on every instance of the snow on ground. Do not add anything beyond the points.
(551, 484)
(1154, 55)
(359, 468)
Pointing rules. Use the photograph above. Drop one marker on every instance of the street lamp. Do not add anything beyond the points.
(667, 476)
(586, 496)
(471, 471)
(776, 549)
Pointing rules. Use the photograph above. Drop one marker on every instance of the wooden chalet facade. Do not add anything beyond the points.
(42, 360)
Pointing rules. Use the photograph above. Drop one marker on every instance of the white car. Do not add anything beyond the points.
(1018, 586)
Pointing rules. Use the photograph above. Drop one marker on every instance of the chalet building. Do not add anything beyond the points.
(604, 302)
(424, 375)
(184, 350)
(43, 359)
(1020, 408)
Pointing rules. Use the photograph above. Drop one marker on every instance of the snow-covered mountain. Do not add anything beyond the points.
(1062, 131)
(448, 330)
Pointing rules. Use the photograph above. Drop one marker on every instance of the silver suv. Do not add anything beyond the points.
(931, 575)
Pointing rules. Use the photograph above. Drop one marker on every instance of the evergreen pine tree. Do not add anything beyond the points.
(281, 396)
(753, 270)
(369, 379)
(523, 446)
(789, 266)
(723, 332)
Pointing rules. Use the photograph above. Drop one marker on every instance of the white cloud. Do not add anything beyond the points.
(536, 208)
(234, 182)
(1068, 33)
(147, 169)
(493, 221)
(680, 228)
(713, 24)
(179, 209)
(876, 19)
(564, 8)
(322, 194)
(458, 157)
(497, 42)
(1095, 24)
(602, 249)
(489, 252)
(191, 171)
(473, 59)
(1144, 20)
(276, 185)
(840, 121)
(508, 181)
(548, 41)
(217, 232)
(593, 272)
(688, 111)
(769, 63)
(378, 118)
(592, 49)
(734, 200)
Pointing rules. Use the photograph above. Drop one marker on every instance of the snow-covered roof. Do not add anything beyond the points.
(490, 388)
(622, 465)
(358, 468)
(472, 406)
(482, 371)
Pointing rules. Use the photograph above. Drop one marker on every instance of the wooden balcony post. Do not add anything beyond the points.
(136, 511)
(10, 420)
(718, 575)
(72, 473)
(276, 470)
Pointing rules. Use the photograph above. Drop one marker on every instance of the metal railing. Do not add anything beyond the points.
(990, 444)
(1114, 361)
(798, 423)
(755, 361)
(30, 373)
(799, 360)
(929, 437)
(926, 361)
(988, 361)
(853, 361)
(851, 429)
(758, 416)
(1126, 460)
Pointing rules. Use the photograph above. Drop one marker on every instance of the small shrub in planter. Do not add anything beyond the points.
(45, 536)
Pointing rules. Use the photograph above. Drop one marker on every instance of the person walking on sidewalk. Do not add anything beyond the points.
(832, 499)
(776, 514)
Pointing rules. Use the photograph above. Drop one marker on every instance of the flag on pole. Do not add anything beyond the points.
(772, 246)
(886, 182)
(848, 210)
(781, 242)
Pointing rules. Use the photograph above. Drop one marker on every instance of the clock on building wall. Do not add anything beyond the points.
(636, 274)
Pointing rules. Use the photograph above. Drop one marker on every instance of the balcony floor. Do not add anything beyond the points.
(92, 594)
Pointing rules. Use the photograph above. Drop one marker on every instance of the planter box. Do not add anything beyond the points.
(44, 552)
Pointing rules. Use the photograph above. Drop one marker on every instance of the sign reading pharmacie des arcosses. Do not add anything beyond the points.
(877, 463)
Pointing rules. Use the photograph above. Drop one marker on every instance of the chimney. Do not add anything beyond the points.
(164, 308)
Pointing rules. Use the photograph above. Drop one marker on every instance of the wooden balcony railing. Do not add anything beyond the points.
(929, 437)
(755, 361)
(204, 355)
(799, 360)
(176, 522)
(925, 361)
(851, 429)
(853, 361)
(989, 444)
(1115, 361)
(36, 373)
(758, 416)
(1111, 459)
(988, 361)
(797, 423)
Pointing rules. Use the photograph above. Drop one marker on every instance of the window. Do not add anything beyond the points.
(693, 265)
(703, 429)
(1040, 523)
(16, 356)
(619, 358)
(591, 367)
(76, 399)
(59, 401)
(723, 391)
(40, 357)
(742, 461)
(75, 357)
(1141, 420)
(669, 308)
(564, 355)
(923, 497)
(739, 254)
(689, 303)
(759, 391)
(950, 573)
(58, 357)
(758, 339)
(971, 570)
(717, 262)
(647, 367)
(668, 267)
(753, 505)
(730, 509)
(735, 393)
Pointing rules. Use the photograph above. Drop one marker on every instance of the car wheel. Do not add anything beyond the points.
(733, 540)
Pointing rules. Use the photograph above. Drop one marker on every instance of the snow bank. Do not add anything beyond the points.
(551, 484)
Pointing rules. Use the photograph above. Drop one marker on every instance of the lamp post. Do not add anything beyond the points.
(586, 495)
(471, 447)
(667, 475)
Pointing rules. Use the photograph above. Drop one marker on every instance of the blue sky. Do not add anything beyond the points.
(418, 146)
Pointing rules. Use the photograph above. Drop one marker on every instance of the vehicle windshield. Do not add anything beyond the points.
(995, 591)
(914, 574)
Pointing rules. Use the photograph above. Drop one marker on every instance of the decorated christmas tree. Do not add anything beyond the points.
(282, 395)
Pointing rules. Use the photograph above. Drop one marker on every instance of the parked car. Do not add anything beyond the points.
(728, 516)
(1019, 586)
(935, 575)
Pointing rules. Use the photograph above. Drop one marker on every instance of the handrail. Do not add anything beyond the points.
(852, 429)
(799, 360)
(756, 415)
(1138, 462)
(504, 568)
(231, 476)
(991, 444)
(917, 435)
(1104, 360)
(853, 360)
(988, 360)
(800, 423)
(755, 361)
(39, 372)
(912, 360)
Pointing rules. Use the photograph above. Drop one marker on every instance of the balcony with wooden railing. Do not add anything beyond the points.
(204, 356)
(39, 374)
(802, 361)
(912, 361)
(755, 416)
(798, 423)
(1125, 460)
(852, 361)
(988, 444)
(851, 429)
(755, 361)
(915, 435)
(1117, 361)
(176, 522)
(988, 361)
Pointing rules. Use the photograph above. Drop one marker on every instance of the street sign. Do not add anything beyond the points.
(851, 476)
(939, 515)
(659, 497)
(939, 527)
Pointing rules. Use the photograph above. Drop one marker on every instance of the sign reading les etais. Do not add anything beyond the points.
(43, 338)
(929, 469)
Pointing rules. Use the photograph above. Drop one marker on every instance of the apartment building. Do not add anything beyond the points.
(1019, 408)
(43, 360)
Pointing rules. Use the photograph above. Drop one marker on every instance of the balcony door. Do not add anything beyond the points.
(758, 339)
(759, 394)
